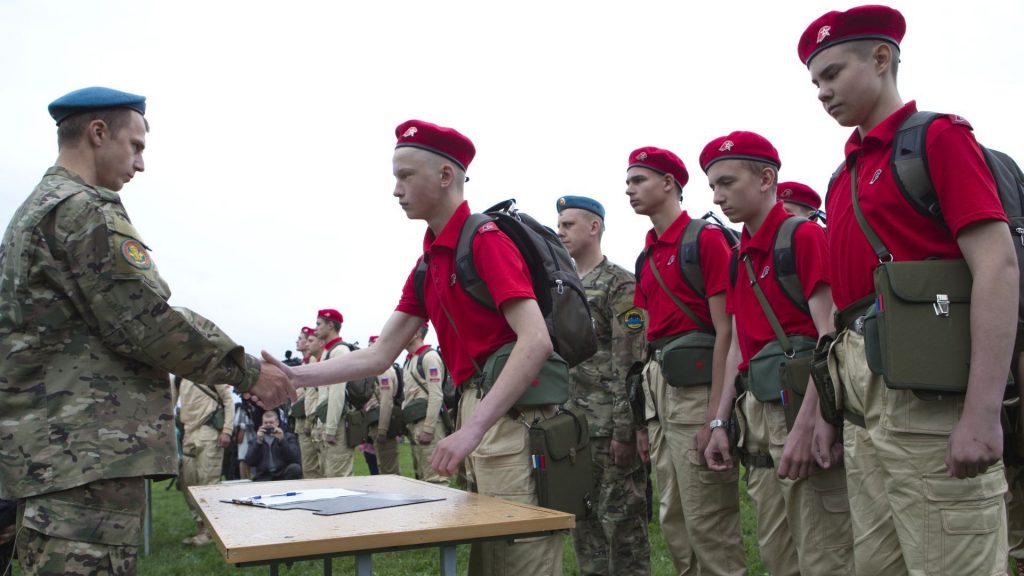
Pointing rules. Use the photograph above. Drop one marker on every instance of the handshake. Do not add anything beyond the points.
(273, 387)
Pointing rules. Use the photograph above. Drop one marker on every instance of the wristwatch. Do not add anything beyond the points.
(717, 423)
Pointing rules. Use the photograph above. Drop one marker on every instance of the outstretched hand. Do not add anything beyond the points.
(273, 387)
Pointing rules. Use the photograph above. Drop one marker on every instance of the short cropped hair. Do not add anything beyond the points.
(72, 128)
(863, 49)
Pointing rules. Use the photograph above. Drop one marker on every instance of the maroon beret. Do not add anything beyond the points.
(860, 23)
(661, 161)
(798, 193)
(330, 314)
(374, 339)
(446, 142)
(739, 145)
(308, 331)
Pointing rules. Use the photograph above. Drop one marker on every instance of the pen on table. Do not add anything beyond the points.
(276, 495)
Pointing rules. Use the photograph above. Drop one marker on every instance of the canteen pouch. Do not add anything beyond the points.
(924, 321)
(687, 360)
(550, 387)
(216, 420)
(414, 411)
(357, 428)
(830, 395)
(763, 371)
(793, 374)
(562, 469)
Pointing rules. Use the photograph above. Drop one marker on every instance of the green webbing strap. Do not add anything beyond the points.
(682, 306)
(876, 243)
(780, 334)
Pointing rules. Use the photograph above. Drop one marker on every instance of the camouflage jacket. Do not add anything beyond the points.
(87, 339)
(599, 384)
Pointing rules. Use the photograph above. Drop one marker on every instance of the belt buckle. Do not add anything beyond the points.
(858, 325)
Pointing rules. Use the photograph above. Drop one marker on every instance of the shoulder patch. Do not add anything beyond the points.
(633, 319)
(488, 227)
(135, 254)
(385, 383)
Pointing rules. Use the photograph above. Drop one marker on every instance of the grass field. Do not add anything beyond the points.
(171, 522)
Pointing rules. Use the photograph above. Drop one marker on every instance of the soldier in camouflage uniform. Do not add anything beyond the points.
(613, 540)
(87, 339)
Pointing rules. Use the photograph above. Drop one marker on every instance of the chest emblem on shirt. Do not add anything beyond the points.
(135, 254)
(875, 176)
(671, 260)
(764, 273)
(451, 280)
(824, 32)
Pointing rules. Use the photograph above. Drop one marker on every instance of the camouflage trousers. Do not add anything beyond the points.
(612, 541)
(89, 530)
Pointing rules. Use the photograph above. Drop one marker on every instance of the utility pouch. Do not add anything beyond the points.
(216, 420)
(793, 375)
(635, 390)
(321, 412)
(687, 359)
(414, 411)
(562, 469)
(396, 427)
(550, 387)
(924, 324)
(830, 395)
(872, 343)
(763, 371)
(357, 428)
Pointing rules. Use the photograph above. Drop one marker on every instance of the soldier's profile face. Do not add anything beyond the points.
(417, 182)
(120, 156)
(848, 85)
(574, 229)
(737, 190)
(648, 190)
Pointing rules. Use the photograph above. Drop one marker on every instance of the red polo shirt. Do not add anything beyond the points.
(664, 318)
(481, 331)
(752, 326)
(965, 188)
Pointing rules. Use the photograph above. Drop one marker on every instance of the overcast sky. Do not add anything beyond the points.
(267, 191)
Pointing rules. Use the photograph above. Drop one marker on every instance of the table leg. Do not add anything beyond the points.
(273, 569)
(448, 560)
(147, 521)
(328, 567)
(364, 565)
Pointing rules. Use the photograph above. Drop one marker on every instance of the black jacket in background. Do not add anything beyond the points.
(285, 452)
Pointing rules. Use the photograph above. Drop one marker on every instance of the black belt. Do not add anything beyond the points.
(852, 316)
(757, 460)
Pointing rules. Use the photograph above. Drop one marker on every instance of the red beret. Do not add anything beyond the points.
(373, 339)
(798, 193)
(860, 23)
(308, 331)
(739, 146)
(330, 314)
(661, 161)
(447, 142)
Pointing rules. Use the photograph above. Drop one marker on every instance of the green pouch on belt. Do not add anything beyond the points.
(687, 359)
(357, 428)
(550, 387)
(924, 324)
(830, 393)
(763, 371)
(794, 374)
(414, 411)
(562, 469)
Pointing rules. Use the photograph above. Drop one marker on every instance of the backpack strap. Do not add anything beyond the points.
(689, 256)
(419, 278)
(780, 334)
(876, 243)
(465, 269)
(910, 164)
(832, 179)
(682, 305)
(784, 260)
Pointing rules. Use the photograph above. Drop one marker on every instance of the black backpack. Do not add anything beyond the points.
(556, 284)
(399, 392)
(913, 177)
(449, 390)
(784, 262)
(359, 392)
(689, 252)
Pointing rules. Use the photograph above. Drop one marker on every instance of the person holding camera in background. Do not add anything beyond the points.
(274, 454)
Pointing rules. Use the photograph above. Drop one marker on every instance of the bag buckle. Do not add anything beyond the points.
(941, 305)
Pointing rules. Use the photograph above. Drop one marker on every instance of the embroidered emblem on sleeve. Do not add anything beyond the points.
(135, 255)
(385, 383)
(633, 320)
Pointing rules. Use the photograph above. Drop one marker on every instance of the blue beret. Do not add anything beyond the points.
(581, 202)
(94, 98)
